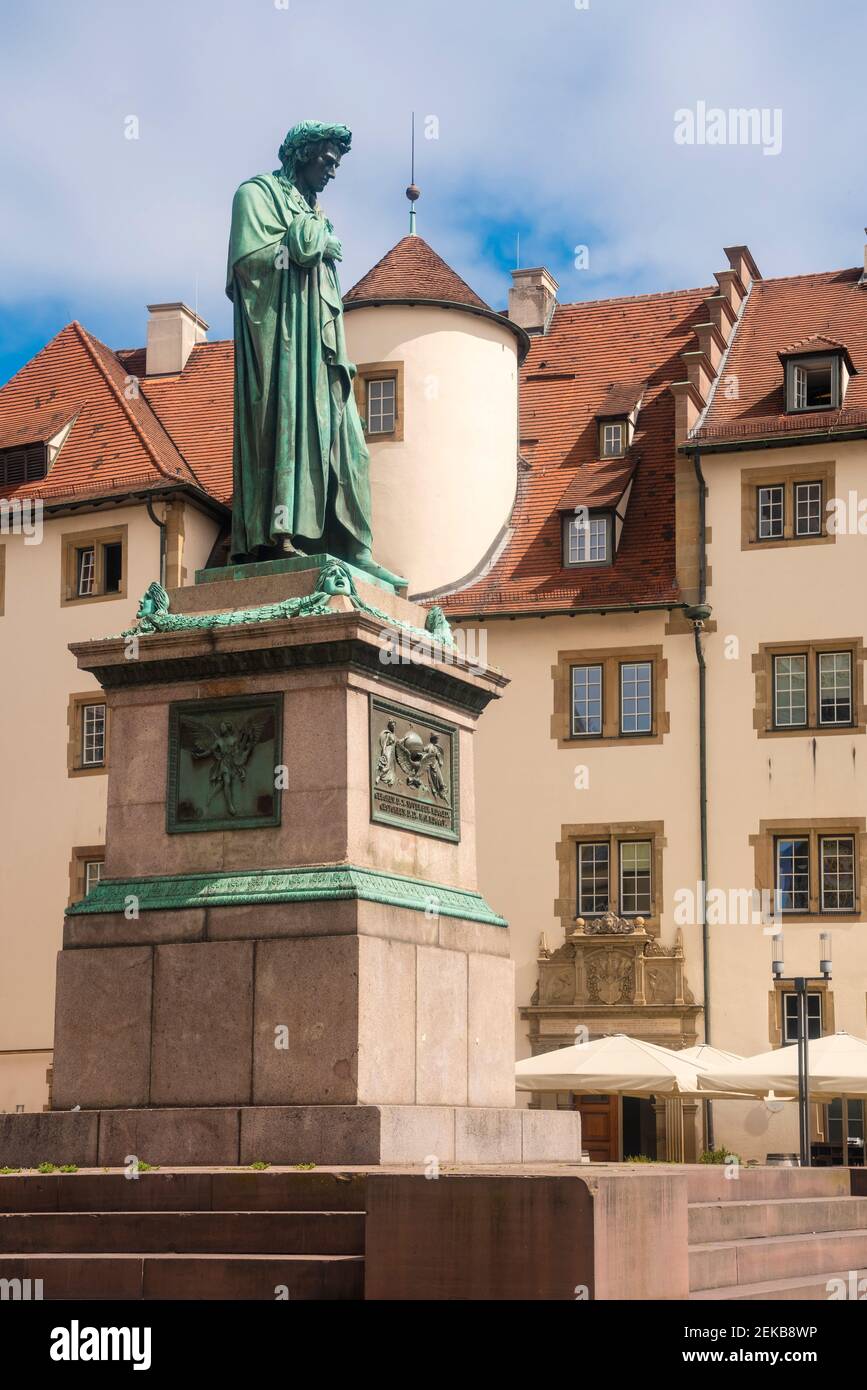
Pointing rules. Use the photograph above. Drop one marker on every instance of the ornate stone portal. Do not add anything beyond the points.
(611, 976)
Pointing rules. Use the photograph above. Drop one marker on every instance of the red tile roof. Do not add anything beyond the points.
(799, 309)
(413, 270)
(589, 349)
(116, 440)
(34, 426)
(599, 484)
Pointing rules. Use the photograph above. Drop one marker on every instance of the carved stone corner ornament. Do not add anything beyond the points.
(609, 924)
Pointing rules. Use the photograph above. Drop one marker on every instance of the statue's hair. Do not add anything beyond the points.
(303, 139)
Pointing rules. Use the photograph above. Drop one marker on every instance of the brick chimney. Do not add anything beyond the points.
(173, 331)
(532, 299)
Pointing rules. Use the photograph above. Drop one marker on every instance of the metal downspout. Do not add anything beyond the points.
(699, 615)
(162, 530)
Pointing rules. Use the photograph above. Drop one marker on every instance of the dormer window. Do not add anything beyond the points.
(817, 373)
(814, 383)
(612, 439)
(588, 539)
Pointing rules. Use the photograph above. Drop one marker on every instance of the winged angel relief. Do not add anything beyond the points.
(230, 747)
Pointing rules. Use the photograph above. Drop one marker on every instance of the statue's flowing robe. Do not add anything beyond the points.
(299, 459)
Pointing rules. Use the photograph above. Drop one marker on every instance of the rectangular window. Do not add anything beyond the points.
(381, 406)
(790, 691)
(837, 855)
(586, 700)
(85, 567)
(93, 565)
(636, 896)
(92, 735)
(813, 383)
(855, 1115)
(593, 878)
(808, 509)
(112, 567)
(793, 874)
(835, 687)
(613, 439)
(636, 697)
(790, 1017)
(92, 873)
(587, 540)
(770, 513)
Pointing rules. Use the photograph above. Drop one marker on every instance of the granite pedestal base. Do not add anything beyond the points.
(206, 1136)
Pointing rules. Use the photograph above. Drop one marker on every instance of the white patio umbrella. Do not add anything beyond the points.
(838, 1067)
(704, 1057)
(617, 1065)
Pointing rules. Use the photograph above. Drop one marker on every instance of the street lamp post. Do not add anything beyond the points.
(800, 988)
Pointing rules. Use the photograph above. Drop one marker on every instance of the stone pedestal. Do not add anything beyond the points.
(288, 958)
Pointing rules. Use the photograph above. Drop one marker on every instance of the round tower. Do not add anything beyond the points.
(437, 388)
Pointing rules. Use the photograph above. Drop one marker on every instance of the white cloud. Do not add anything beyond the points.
(556, 119)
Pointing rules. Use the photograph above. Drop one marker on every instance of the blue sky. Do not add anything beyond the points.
(555, 120)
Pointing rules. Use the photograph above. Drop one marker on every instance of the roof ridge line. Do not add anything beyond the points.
(88, 340)
(629, 298)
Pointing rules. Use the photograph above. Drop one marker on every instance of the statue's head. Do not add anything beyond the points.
(334, 579)
(311, 153)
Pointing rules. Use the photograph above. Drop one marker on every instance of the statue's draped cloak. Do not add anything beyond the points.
(298, 441)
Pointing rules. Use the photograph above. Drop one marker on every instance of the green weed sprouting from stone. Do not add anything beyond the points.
(304, 1167)
(47, 1168)
(259, 1166)
(5, 1171)
(68, 1168)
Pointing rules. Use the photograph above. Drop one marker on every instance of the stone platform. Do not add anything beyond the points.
(288, 957)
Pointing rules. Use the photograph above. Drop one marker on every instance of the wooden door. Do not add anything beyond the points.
(600, 1130)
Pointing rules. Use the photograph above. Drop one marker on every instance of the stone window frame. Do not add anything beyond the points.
(763, 670)
(615, 832)
(594, 514)
(775, 1009)
(785, 476)
(379, 371)
(75, 723)
(81, 856)
(764, 847)
(611, 659)
(99, 537)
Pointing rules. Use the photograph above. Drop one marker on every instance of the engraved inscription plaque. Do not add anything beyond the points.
(223, 763)
(414, 774)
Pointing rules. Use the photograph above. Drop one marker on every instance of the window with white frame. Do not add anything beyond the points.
(636, 697)
(835, 687)
(837, 853)
(594, 867)
(612, 435)
(588, 539)
(586, 700)
(381, 405)
(790, 1017)
(636, 895)
(85, 571)
(92, 873)
(813, 383)
(790, 691)
(793, 873)
(92, 735)
(808, 509)
(771, 513)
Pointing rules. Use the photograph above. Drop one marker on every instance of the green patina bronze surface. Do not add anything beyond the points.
(154, 612)
(414, 771)
(224, 759)
(329, 882)
(301, 464)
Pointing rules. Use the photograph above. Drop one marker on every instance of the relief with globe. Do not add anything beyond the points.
(413, 771)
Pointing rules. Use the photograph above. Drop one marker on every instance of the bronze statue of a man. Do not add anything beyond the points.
(300, 460)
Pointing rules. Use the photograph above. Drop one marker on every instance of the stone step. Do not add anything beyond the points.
(712, 1222)
(324, 1189)
(816, 1288)
(709, 1183)
(723, 1264)
(184, 1232)
(226, 1277)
